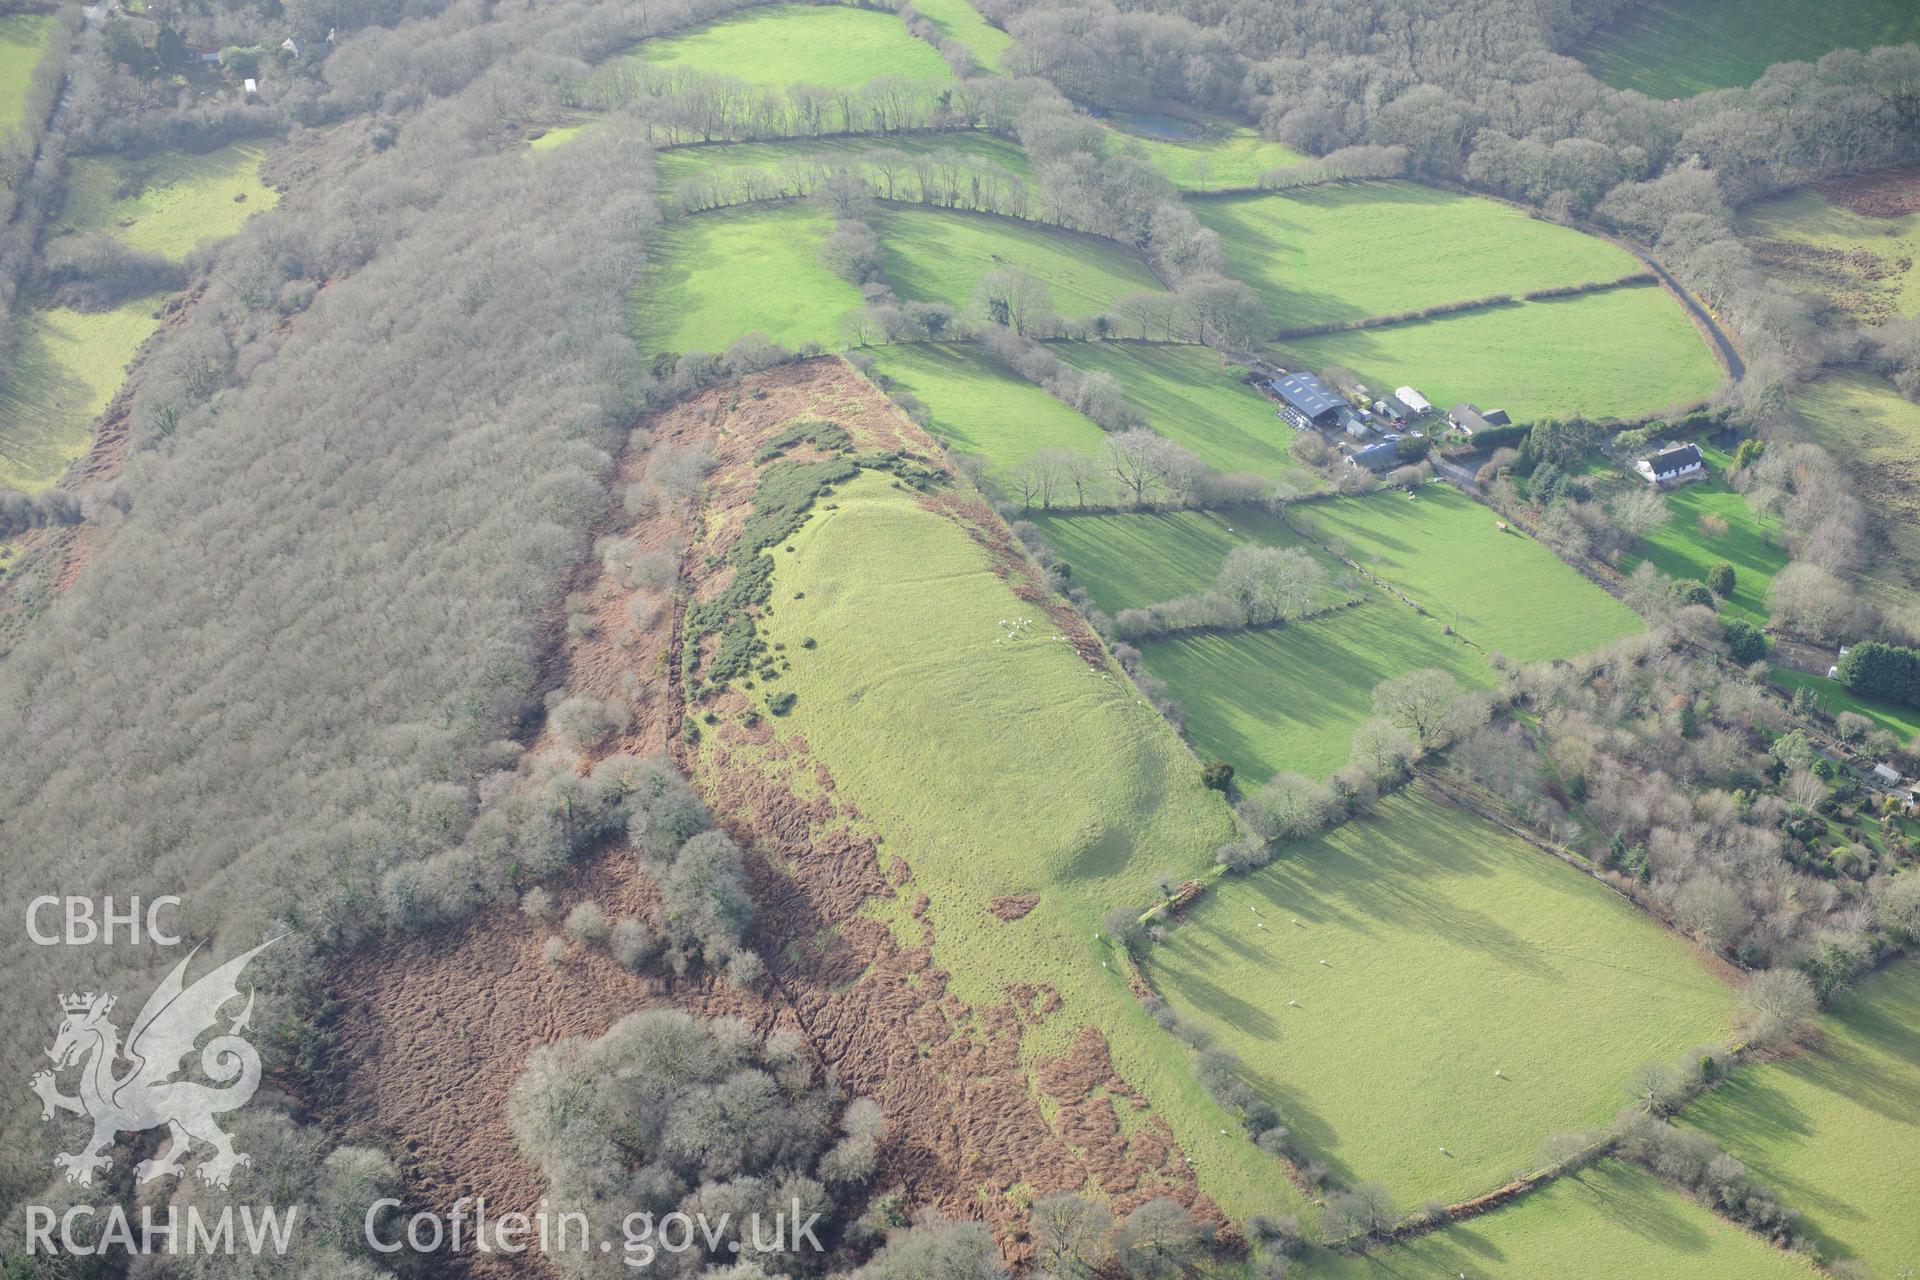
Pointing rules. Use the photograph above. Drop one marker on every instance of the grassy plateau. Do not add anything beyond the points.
(170, 201)
(958, 20)
(1347, 251)
(1202, 155)
(787, 44)
(982, 408)
(1001, 766)
(65, 371)
(1625, 353)
(1474, 995)
(1836, 1127)
(1500, 589)
(1673, 48)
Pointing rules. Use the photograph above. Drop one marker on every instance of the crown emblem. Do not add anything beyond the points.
(77, 1003)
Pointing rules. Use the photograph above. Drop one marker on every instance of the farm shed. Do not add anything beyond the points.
(1471, 419)
(1375, 457)
(1413, 400)
(1312, 399)
(1680, 464)
(1886, 775)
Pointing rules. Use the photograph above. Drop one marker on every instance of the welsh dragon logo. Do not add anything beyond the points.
(144, 1095)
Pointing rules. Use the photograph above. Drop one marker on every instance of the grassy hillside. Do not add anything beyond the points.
(1137, 558)
(974, 144)
(981, 408)
(1753, 545)
(1452, 952)
(1192, 399)
(1836, 1128)
(1289, 699)
(1613, 1219)
(1346, 251)
(169, 201)
(1832, 697)
(1209, 155)
(960, 21)
(23, 36)
(1865, 422)
(802, 44)
(1500, 589)
(67, 367)
(997, 766)
(718, 275)
(939, 255)
(1624, 353)
(1865, 264)
(1672, 48)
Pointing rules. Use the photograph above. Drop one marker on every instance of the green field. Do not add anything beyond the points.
(717, 276)
(1837, 1128)
(1680, 549)
(960, 21)
(981, 408)
(1209, 155)
(1347, 251)
(23, 37)
(1453, 952)
(974, 145)
(997, 766)
(1613, 1220)
(1673, 48)
(1866, 265)
(66, 369)
(939, 255)
(1139, 558)
(1289, 699)
(167, 202)
(1833, 698)
(787, 44)
(1500, 589)
(1191, 398)
(1867, 424)
(1625, 353)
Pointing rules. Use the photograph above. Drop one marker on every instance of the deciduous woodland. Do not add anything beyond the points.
(1077, 638)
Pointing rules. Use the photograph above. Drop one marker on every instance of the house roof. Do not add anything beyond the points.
(1668, 461)
(1497, 418)
(1467, 417)
(1307, 394)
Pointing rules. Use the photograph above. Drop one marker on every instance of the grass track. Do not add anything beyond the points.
(998, 768)
(23, 38)
(1612, 1220)
(169, 202)
(1626, 353)
(717, 276)
(1673, 48)
(1346, 251)
(983, 409)
(939, 255)
(1192, 400)
(1454, 951)
(785, 44)
(1502, 590)
(1837, 1128)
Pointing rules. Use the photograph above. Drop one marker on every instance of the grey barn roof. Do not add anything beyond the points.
(1307, 394)
(1377, 457)
(1672, 460)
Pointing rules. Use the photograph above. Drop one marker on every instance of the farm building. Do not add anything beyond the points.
(1413, 400)
(1680, 464)
(1311, 400)
(1470, 419)
(1375, 457)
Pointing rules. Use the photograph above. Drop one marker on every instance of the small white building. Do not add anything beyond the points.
(251, 87)
(1886, 775)
(1413, 400)
(1678, 464)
